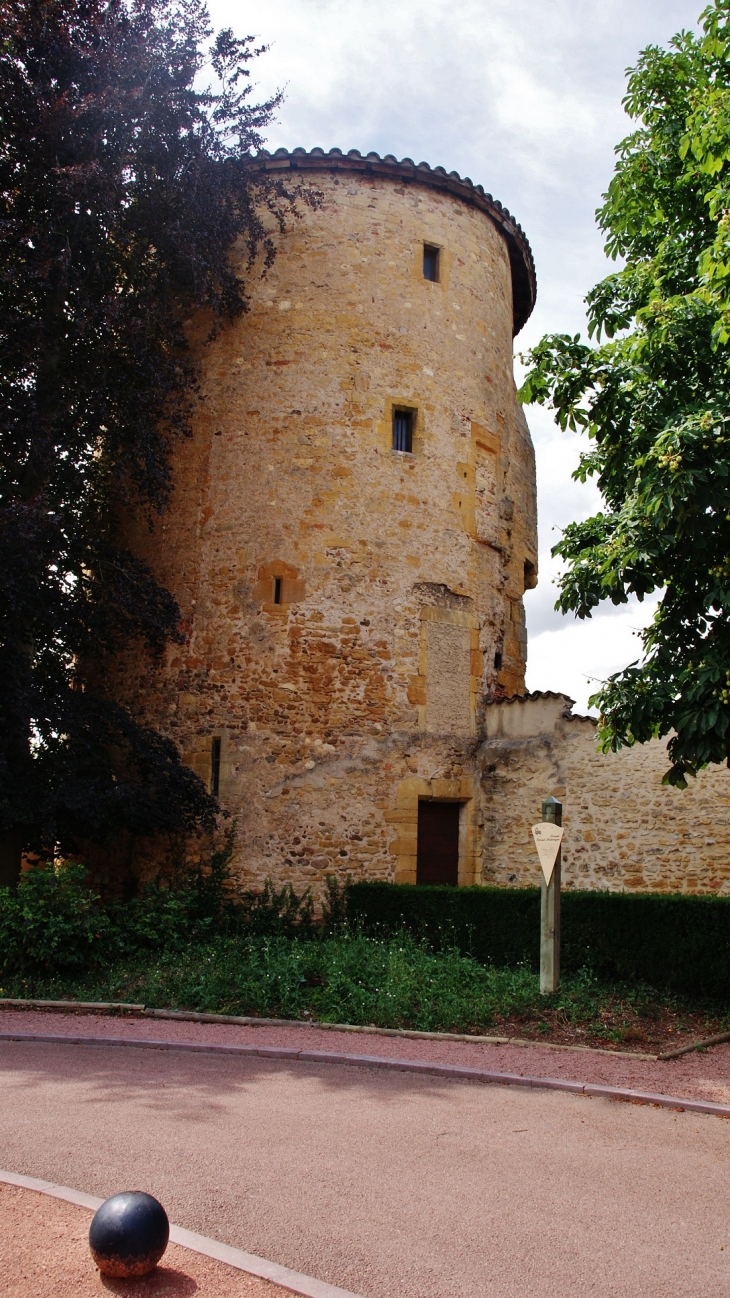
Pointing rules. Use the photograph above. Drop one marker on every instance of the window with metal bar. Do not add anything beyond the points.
(215, 766)
(430, 263)
(402, 430)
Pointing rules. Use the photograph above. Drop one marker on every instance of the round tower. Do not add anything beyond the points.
(352, 530)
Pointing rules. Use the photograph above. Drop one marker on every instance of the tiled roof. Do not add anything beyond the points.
(546, 694)
(524, 283)
(536, 694)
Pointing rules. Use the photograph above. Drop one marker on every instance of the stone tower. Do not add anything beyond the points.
(352, 530)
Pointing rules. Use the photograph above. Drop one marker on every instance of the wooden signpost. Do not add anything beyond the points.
(548, 836)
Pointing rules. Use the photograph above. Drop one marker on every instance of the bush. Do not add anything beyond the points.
(676, 942)
(269, 913)
(195, 906)
(52, 921)
(673, 942)
(498, 926)
(191, 906)
(345, 979)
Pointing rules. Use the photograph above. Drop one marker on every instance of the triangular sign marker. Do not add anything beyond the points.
(547, 838)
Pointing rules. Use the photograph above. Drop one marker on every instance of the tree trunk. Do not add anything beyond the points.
(11, 847)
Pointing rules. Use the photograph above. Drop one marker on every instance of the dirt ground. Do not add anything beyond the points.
(650, 1027)
(658, 1027)
(44, 1253)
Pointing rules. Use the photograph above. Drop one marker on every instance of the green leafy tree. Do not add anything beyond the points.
(123, 186)
(653, 395)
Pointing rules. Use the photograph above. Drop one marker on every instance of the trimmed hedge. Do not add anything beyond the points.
(672, 942)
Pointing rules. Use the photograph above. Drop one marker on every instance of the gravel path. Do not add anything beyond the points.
(388, 1184)
(44, 1251)
(704, 1076)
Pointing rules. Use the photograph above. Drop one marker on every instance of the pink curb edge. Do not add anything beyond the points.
(375, 1061)
(294, 1281)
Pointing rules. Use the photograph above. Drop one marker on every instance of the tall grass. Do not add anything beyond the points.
(348, 978)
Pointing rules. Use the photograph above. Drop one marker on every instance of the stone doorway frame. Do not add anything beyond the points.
(405, 819)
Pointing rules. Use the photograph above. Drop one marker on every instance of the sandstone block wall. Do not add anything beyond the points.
(624, 830)
(349, 608)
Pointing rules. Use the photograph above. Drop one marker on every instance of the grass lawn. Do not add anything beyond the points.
(393, 983)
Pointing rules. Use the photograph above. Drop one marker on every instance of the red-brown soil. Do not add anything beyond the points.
(44, 1253)
(703, 1076)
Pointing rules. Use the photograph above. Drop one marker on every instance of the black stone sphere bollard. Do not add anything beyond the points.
(129, 1234)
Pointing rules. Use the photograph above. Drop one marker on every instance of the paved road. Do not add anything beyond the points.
(386, 1184)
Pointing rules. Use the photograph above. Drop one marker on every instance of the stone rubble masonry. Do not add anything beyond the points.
(353, 615)
(347, 608)
(624, 830)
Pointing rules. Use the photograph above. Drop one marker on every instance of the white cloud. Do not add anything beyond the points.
(578, 657)
(525, 97)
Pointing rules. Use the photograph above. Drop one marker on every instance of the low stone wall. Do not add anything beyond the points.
(624, 830)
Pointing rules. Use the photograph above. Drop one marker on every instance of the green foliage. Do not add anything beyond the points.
(166, 915)
(674, 942)
(269, 912)
(367, 955)
(653, 395)
(498, 926)
(52, 922)
(393, 982)
(433, 959)
(123, 187)
(334, 905)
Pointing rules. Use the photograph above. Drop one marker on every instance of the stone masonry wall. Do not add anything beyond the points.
(348, 608)
(624, 830)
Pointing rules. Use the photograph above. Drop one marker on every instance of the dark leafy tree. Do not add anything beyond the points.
(123, 187)
(653, 394)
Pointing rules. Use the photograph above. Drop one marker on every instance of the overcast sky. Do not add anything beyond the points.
(523, 96)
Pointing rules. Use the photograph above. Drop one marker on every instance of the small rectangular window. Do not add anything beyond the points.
(430, 262)
(215, 766)
(402, 430)
(498, 661)
(277, 590)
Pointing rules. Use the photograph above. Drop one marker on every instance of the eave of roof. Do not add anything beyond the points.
(529, 696)
(524, 282)
(569, 714)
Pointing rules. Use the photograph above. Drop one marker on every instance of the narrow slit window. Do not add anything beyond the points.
(277, 590)
(402, 430)
(498, 661)
(215, 766)
(430, 262)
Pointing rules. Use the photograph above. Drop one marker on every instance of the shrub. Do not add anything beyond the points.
(269, 913)
(191, 906)
(52, 921)
(673, 942)
(498, 926)
(334, 905)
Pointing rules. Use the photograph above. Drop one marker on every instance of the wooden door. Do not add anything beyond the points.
(438, 843)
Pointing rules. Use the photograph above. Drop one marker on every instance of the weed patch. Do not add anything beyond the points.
(392, 982)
